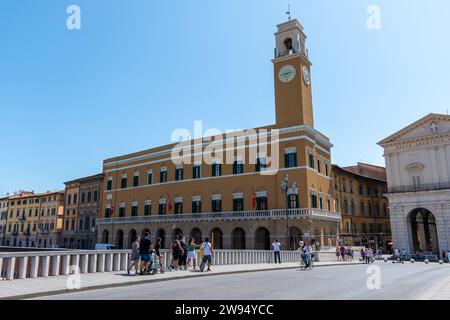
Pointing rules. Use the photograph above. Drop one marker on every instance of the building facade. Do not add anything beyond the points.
(231, 187)
(359, 192)
(3, 219)
(34, 220)
(418, 174)
(82, 205)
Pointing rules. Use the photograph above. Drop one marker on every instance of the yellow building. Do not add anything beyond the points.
(359, 192)
(34, 219)
(234, 188)
(3, 219)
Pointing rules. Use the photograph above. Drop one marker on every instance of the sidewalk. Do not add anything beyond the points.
(439, 292)
(30, 288)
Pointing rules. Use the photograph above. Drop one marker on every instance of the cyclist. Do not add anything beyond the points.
(307, 255)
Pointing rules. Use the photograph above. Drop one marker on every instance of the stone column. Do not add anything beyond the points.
(101, 262)
(45, 265)
(10, 265)
(123, 261)
(421, 233)
(92, 263)
(65, 264)
(116, 262)
(55, 265)
(23, 261)
(84, 263)
(34, 264)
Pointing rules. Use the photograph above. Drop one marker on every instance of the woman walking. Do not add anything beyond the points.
(134, 256)
(158, 253)
(177, 251)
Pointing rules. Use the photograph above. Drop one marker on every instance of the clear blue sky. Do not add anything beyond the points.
(139, 69)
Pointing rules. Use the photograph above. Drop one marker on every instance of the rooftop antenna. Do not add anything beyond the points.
(288, 12)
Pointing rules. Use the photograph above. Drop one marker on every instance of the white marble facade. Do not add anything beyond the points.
(418, 174)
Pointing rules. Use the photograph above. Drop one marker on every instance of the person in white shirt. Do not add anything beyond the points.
(276, 250)
(207, 254)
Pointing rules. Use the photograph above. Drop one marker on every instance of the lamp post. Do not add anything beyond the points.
(284, 186)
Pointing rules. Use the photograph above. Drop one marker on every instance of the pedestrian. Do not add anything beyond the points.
(176, 250)
(208, 252)
(276, 250)
(349, 253)
(363, 255)
(338, 253)
(134, 258)
(144, 251)
(191, 253)
(342, 250)
(183, 256)
(158, 253)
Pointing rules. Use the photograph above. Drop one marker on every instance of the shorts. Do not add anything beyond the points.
(145, 257)
(191, 255)
(207, 259)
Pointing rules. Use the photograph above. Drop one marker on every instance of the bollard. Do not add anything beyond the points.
(441, 262)
(412, 260)
(426, 261)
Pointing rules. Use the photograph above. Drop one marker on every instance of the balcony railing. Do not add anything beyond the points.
(420, 187)
(227, 216)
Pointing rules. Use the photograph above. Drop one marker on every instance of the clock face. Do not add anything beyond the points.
(306, 76)
(286, 73)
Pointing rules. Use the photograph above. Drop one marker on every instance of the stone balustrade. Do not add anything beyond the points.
(22, 265)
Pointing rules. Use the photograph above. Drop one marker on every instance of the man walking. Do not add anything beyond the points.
(276, 250)
(144, 252)
(207, 254)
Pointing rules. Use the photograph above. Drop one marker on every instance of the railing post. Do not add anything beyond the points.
(123, 261)
(116, 262)
(101, 262)
(23, 267)
(93, 263)
(34, 266)
(108, 262)
(75, 264)
(55, 265)
(45, 265)
(1, 268)
(10, 265)
(84, 263)
(65, 264)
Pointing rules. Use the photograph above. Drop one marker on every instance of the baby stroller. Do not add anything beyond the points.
(155, 264)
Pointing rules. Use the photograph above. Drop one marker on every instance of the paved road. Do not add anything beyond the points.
(408, 281)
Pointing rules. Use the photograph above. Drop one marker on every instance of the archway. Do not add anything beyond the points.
(262, 239)
(177, 232)
(131, 237)
(161, 233)
(71, 243)
(423, 231)
(295, 235)
(197, 235)
(119, 239)
(217, 238)
(65, 243)
(105, 237)
(238, 238)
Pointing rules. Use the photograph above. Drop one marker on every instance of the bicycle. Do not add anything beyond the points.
(306, 263)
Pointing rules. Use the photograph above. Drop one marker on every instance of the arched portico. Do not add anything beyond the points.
(423, 231)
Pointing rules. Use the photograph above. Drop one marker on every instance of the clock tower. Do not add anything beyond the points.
(293, 98)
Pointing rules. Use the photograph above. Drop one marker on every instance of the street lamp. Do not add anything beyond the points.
(284, 186)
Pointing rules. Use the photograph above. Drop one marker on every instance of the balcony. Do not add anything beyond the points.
(310, 213)
(420, 187)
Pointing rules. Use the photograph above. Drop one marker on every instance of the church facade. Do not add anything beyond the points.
(418, 175)
(253, 187)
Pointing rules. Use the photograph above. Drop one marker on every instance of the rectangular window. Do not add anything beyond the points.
(319, 166)
(163, 176)
(73, 211)
(123, 183)
(238, 204)
(148, 209)
(134, 211)
(196, 174)
(149, 177)
(290, 160)
(293, 201)
(95, 195)
(69, 199)
(196, 206)
(30, 212)
(107, 212)
(260, 164)
(178, 207)
(238, 168)
(313, 200)
(122, 211)
(216, 205)
(261, 203)
(326, 169)
(53, 211)
(162, 209)
(109, 185)
(179, 174)
(135, 181)
(75, 198)
(89, 196)
(216, 170)
(329, 204)
(83, 197)
(321, 202)
(311, 159)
